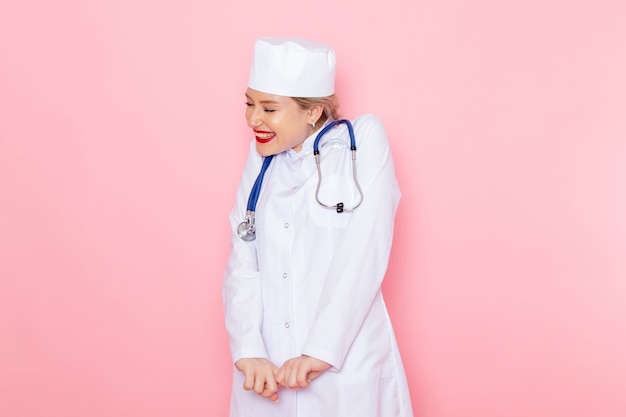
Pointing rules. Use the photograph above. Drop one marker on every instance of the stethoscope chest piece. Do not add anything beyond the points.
(246, 230)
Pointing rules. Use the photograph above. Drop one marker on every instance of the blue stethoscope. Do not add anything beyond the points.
(247, 229)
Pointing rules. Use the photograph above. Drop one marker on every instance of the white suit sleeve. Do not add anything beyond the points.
(358, 266)
(241, 287)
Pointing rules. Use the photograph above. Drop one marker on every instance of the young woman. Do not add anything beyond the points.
(309, 330)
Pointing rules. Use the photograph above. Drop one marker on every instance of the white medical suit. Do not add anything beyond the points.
(311, 281)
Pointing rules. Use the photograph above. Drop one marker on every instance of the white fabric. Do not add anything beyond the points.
(311, 281)
(292, 67)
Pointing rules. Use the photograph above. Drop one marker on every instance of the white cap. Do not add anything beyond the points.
(292, 67)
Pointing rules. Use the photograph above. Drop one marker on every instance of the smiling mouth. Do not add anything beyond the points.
(264, 137)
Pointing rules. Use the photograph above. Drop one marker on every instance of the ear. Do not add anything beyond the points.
(316, 112)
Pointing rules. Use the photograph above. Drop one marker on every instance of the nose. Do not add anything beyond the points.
(252, 118)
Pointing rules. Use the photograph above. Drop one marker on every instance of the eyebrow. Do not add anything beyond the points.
(264, 101)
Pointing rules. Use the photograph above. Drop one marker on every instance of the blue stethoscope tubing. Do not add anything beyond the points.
(247, 229)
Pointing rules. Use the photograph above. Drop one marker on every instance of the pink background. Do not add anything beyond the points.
(122, 138)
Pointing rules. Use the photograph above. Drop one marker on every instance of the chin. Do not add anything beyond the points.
(264, 150)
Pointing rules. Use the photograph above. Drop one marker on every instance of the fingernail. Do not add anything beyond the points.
(276, 400)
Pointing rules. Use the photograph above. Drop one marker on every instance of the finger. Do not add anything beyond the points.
(287, 374)
(270, 388)
(269, 393)
(302, 375)
(279, 376)
(259, 384)
(248, 382)
(289, 379)
(294, 375)
(312, 375)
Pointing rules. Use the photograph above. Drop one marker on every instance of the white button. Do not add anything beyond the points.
(285, 275)
(286, 325)
(286, 225)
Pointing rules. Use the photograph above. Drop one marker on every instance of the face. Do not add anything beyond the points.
(277, 121)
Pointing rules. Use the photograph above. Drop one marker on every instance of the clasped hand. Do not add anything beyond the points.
(265, 378)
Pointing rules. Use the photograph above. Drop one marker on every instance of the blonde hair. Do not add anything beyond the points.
(330, 104)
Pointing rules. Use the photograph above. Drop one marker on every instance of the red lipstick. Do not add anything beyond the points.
(263, 136)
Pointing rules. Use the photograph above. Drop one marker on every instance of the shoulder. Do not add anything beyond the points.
(370, 133)
(368, 121)
(373, 152)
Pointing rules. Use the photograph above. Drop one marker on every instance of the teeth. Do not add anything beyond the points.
(265, 135)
